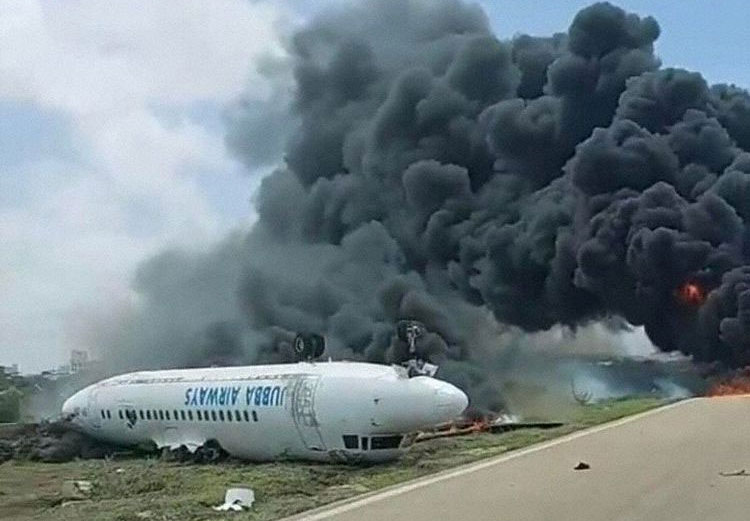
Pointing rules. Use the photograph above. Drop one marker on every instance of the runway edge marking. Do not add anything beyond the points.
(345, 505)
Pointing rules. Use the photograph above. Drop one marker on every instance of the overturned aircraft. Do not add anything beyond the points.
(323, 411)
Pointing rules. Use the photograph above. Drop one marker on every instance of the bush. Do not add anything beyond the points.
(10, 405)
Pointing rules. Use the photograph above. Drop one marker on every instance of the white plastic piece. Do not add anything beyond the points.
(237, 499)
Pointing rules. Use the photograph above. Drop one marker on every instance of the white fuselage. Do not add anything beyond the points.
(328, 411)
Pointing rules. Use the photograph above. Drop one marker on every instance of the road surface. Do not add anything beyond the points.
(664, 465)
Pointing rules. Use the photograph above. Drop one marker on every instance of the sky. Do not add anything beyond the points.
(112, 137)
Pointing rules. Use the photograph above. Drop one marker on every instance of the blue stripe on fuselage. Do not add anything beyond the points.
(227, 396)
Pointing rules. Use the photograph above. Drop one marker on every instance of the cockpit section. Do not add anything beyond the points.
(374, 442)
(371, 447)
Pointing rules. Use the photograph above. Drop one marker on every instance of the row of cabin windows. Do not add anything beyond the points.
(181, 414)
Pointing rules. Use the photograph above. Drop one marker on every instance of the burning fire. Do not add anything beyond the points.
(737, 384)
(456, 428)
(692, 294)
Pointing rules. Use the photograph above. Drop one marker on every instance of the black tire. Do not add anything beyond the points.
(299, 345)
(308, 346)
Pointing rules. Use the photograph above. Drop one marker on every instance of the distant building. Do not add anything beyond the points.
(54, 374)
(9, 370)
(79, 361)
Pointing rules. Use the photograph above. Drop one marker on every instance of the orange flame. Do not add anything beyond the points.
(691, 294)
(738, 384)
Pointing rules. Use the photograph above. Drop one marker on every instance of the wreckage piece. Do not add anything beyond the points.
(76, 489)
(208, 452)
(237, 499)
(418, 367)
(449, 433)
(740, 473)
(498, 426)
(582, 465)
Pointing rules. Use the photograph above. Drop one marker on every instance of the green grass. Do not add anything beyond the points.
(138, 489)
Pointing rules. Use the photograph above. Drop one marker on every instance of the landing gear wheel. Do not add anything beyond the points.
(308, 346)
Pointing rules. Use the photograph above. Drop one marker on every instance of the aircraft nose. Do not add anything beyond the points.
(73, 405)
(451, 400)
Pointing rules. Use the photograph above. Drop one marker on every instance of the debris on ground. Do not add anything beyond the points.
(76, 489)
(582, 465)
(740, 473)
(49, 442)
(209, 452)
(58, 442)
(237, 499)
(496, 425)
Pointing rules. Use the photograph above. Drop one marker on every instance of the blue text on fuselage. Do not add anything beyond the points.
(257, 396)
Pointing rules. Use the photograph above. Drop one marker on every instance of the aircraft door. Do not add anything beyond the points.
(303, 412)
(95, 418)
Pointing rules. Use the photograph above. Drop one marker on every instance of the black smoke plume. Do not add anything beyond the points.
(435, 171)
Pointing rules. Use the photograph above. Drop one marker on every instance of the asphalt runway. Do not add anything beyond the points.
(664, 465)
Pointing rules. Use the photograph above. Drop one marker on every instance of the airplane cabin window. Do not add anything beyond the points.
(385, 442)
(190, 415)
(351, 441)
(161, 415)
(174, 414)
(365, 441)
(247, 418)
(205, 416)
(154, 414)
(140, 413)
(182, 415)
(199, 415)
(119, 414)
(237, 416)
(166, 414)
(229, 415)
(221, 415)
(255, 416)
(213, 415)
(148, 414)
(101, 411)
(109, 414)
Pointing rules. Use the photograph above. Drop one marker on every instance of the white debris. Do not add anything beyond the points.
(237, 499)
(72, 489)
(506, 418)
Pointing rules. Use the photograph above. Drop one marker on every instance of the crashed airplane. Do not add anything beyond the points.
(323, 411)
